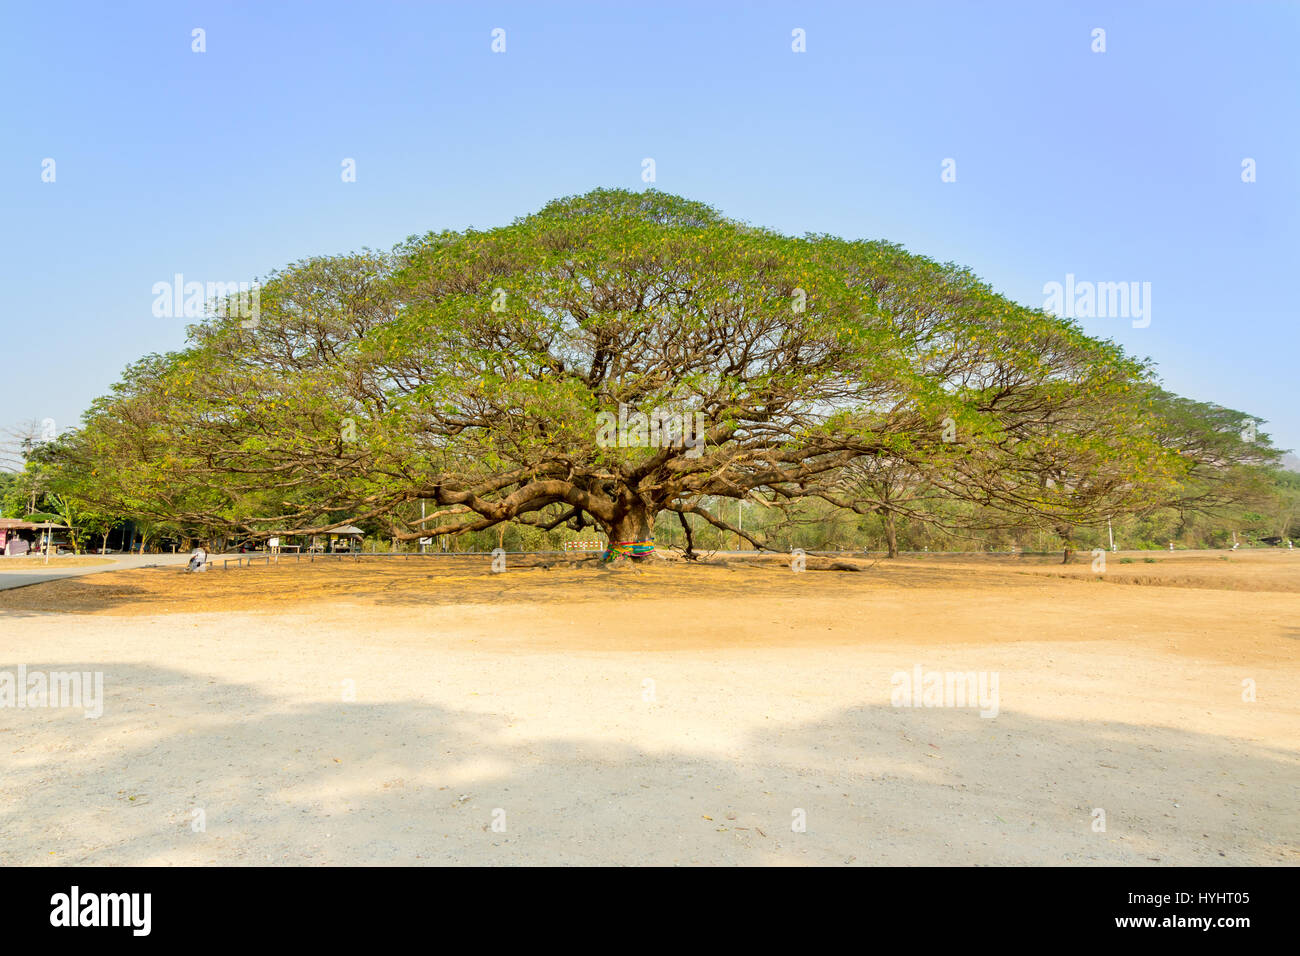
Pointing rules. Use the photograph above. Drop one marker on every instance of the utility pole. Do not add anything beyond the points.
(1111, 533)
(422, 538)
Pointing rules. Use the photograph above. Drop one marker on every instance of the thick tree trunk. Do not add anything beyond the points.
(891, 533)
(634, 521)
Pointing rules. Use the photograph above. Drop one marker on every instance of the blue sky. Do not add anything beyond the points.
(1122, 166)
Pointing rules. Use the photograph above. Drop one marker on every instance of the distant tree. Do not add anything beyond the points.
(1230, 460)
(887, 487)
(17, 443)
(98, 525)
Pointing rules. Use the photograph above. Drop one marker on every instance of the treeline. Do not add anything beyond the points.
(1268, 514)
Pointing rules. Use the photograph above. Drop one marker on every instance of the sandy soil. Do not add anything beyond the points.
(389, 711)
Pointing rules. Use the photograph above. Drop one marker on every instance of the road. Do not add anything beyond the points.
(40, 572)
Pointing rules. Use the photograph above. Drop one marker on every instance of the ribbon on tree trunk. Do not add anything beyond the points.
(627, 549)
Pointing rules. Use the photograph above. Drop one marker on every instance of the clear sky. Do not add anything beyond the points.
(1122, 166)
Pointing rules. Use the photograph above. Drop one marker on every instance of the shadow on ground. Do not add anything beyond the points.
(408, 782)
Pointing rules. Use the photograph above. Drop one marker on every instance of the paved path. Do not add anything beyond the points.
(42, 572)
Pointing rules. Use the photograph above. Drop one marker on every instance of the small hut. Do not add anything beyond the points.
(347, 538)
(19, 537)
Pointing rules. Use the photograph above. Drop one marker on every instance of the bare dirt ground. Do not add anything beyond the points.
(426, 710)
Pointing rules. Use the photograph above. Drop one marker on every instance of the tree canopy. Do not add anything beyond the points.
(482, 371)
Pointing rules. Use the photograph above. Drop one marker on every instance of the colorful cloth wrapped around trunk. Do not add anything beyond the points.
(627, 549)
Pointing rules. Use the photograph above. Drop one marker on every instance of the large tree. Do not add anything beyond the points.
(480, 370)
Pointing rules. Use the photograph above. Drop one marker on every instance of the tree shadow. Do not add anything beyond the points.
(410, 782)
